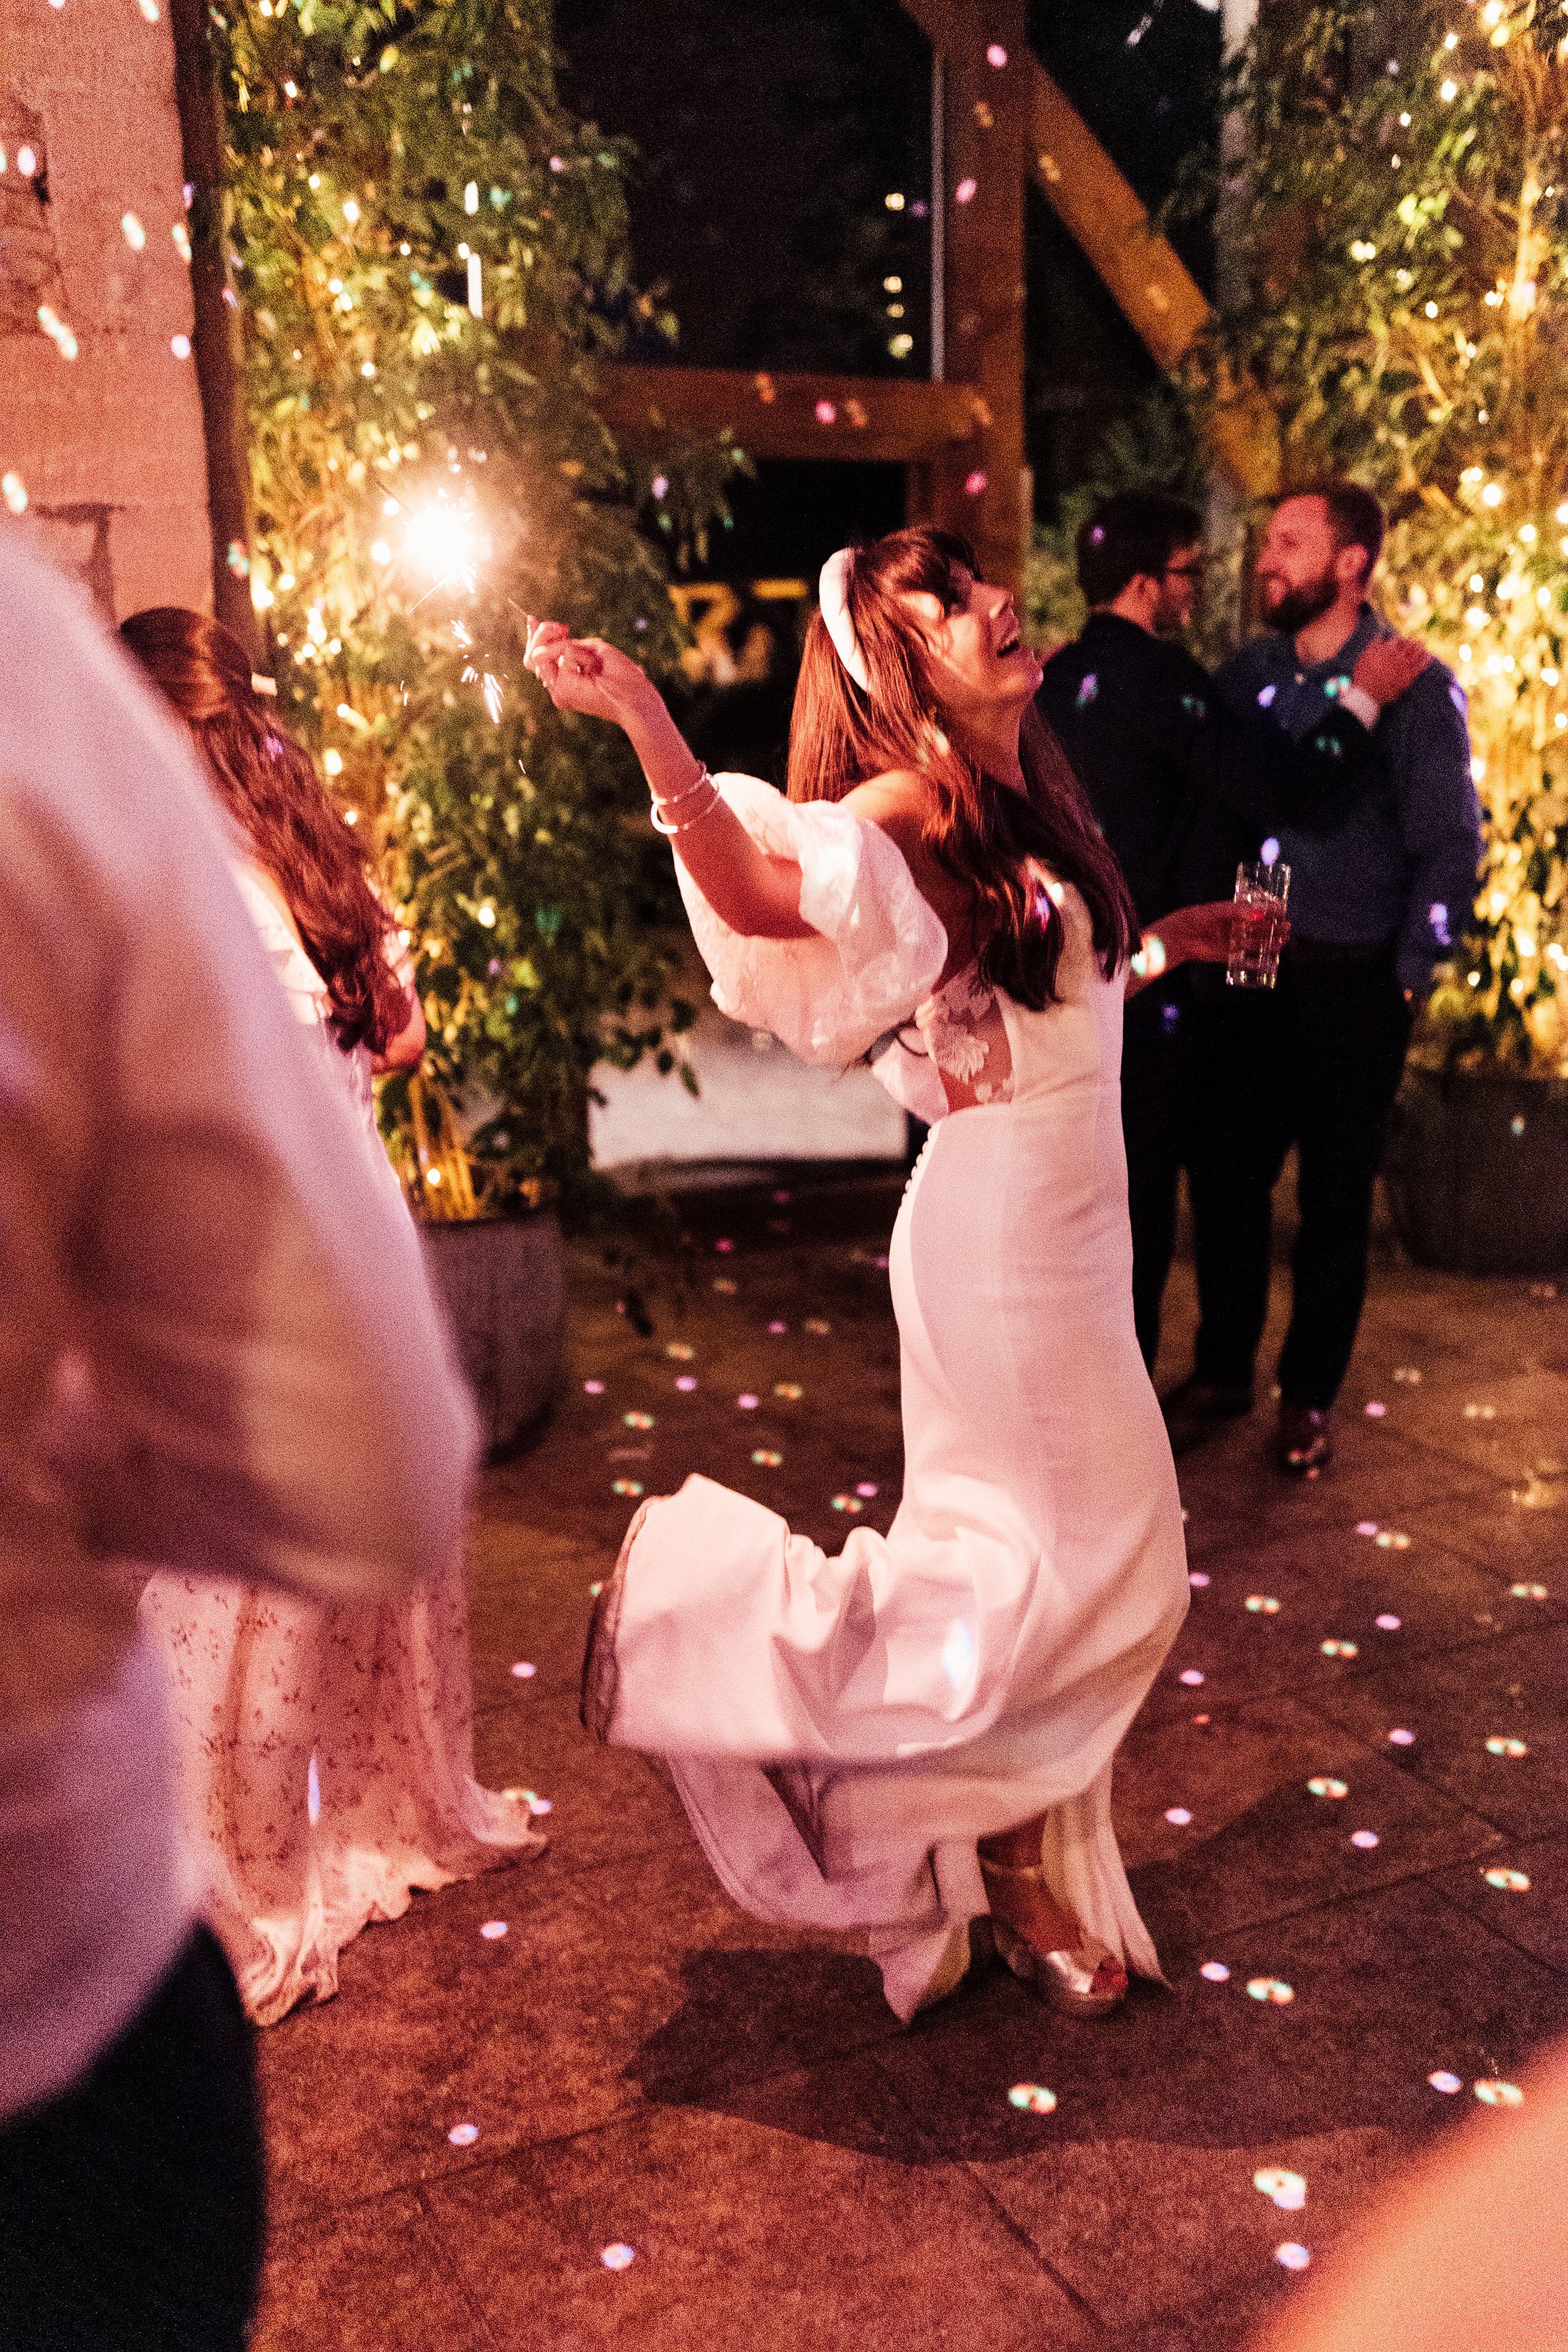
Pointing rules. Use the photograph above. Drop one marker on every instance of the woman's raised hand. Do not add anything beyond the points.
(586, 675)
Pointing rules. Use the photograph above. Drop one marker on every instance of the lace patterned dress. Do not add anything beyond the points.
(325, 1750)
(843, 1729)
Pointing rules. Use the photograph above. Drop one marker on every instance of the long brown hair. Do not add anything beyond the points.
(979, 831)
(269, 786)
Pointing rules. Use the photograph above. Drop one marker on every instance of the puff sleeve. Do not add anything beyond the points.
(879, 947)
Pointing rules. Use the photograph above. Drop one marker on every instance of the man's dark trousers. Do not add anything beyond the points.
(1156, 1080)
(131, 2206)
(1316, 1063)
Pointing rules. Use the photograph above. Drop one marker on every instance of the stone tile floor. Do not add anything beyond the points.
(647, 2067)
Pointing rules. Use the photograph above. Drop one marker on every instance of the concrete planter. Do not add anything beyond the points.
(1477, 1171)
(503, 1282)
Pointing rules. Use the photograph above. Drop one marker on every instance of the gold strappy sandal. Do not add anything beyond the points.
(1085, 1979)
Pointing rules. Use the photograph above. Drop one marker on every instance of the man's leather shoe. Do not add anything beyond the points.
(1306, 1443)
(1197, 1409)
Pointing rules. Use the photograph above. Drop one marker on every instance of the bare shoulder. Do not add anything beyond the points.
(900, 803)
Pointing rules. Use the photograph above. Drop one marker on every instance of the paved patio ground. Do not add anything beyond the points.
(645, 2067)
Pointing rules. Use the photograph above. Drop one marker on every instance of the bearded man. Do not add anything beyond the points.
(1375, 901)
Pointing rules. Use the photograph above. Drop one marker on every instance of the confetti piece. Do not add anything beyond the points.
(1390, 1540)
(685, 1382)
(1499, 1747)
(1374, 1410)
(493, 1930)
(1367, 1527)
(1445, 2082)
(1400, 1738)
(1270, 1989)
(592, 1387)
(463, 2134)
(776, 1330)
(1178, 1816)
(1527, 1592)
(1511, 1882)
(617, 2257)
(595, 1591)
(524, 1671)
(1200, 1718)
(1033, 2099)
(995, 55)
(866, 1489)
(748, 1403)
(783, 1198)
(1292, 2257)
(1286, 2189)
(1326, 1787)
(1263, 1603)
(1191, 1677)
(724, 1286)
(765, 1460)
(1387, 1624)
(626, 1486)
(818, 1327)
(791, 1390)
(1214, 1973)
(724, 1248)
(1196, 1579)
(539, 1806)
(1365, 1839)
(1332, 1649)
(680, 1351)
(638, 1420)
(1500, 2095)
(848, 1503)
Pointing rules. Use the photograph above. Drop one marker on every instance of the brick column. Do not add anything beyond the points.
(102, 448)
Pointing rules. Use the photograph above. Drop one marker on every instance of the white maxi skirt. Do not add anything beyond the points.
(843, 1730)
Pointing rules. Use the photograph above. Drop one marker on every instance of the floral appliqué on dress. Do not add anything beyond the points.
(966, 1037)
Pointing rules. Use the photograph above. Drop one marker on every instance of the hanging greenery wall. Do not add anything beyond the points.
(1402, 226)
(429, 255)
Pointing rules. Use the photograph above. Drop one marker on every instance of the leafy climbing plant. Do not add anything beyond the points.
(430, 260)
(1402, 232)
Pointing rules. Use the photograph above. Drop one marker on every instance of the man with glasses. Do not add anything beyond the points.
(1184, 786)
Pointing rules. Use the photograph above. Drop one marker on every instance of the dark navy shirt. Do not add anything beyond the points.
(1182, 786)
(1401, 865)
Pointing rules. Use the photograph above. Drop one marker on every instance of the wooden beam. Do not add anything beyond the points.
(983, 88)
(888, 421)
(217, 376)
(1151, 285)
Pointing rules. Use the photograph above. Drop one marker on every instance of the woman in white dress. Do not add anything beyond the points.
(326, 1752)
(920, 1730)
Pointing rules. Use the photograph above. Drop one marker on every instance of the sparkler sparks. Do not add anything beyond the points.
(444, 540)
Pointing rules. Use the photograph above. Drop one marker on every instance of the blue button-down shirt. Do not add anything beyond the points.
(1401, 866)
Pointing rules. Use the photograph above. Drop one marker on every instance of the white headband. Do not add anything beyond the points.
(833, 597)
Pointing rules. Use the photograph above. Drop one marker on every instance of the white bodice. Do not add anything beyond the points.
(866, 987)
(311, 1006)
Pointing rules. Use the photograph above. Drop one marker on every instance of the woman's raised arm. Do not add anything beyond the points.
(754, 893)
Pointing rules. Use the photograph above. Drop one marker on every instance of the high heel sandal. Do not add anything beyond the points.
(1084, 1979)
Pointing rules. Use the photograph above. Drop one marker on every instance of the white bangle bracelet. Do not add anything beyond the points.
(659, 814)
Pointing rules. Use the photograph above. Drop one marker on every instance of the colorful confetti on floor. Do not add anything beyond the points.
(637, 2112)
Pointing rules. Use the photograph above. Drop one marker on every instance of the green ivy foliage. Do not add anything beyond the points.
(430, 258)
(1397, 194)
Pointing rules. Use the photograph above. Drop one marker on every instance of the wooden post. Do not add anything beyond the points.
(983, 119)
(228, 479)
